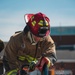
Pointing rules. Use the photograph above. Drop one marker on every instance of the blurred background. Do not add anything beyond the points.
(62, 22)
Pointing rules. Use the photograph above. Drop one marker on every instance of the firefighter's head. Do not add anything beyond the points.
(38, 24)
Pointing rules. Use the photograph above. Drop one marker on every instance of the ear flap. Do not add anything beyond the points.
(27, 17)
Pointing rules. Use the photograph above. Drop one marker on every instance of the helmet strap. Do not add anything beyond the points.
(30, 36)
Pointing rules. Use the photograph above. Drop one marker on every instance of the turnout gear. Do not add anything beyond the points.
(12, 72)
(20, 49)
(17, 47)
(26, 57)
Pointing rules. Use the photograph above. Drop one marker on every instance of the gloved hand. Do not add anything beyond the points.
(23, 70)
(43, 61)
(32, 65)
(48, 62)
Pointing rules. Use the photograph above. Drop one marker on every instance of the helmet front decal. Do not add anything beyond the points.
(33, 23)
(41, 23)
(46, 23)
(32, 18)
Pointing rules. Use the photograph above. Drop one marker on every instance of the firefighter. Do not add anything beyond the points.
(29, 45)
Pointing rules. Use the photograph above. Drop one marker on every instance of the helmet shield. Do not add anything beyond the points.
(43, 31)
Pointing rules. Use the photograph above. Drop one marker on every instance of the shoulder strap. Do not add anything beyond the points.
(26, 29)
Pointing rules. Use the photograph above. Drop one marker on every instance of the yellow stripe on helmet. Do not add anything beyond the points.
(41, 23)
(33, 23)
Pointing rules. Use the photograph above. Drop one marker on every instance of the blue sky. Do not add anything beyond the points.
(60, 12)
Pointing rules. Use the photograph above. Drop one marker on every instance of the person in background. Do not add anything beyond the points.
(30, 44)
(1, 62)
(1, 45)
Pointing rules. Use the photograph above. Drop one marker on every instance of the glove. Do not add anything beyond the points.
(23, 70)
(47, 61)
(32, 65)
(42, 62)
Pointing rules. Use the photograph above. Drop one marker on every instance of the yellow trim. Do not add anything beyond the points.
(33, 23)
(12, 72)
(27, 57)
(30, 59)
(22, 58)
(41, 23)
(46, 23)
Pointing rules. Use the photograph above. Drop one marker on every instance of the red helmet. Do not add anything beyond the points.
(38, 24)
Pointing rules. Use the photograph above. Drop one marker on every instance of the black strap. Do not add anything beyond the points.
(36, 51)
(31, 37)
(5, 64)
(26, 29)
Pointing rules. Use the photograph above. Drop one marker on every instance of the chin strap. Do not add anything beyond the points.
(30, 36)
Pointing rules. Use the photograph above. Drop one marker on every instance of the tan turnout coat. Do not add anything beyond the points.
(19, 44)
